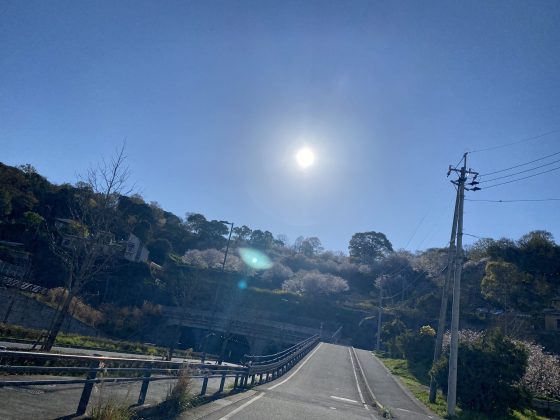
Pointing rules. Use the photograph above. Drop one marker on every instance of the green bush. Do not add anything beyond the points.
(418, 347)
(489, 371)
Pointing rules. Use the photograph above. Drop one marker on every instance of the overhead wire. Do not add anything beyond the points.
(537, 137)
(521, 179)
(522, 164)
(516, 201)
(520, 172)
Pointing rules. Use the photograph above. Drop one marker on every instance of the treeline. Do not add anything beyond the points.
(515, 277)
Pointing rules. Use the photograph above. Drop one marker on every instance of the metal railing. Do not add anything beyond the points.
(127, 370)
(270, 367)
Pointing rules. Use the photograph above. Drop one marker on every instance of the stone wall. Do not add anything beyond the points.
(18, 309)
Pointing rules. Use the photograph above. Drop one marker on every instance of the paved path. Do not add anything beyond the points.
(322, 386)
(388, 390)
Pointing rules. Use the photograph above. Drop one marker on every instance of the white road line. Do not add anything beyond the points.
(241, 407)
(372, 395)
(357, 383)
(297, 370)
(344, 399)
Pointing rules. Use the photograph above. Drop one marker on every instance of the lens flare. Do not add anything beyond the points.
(242, 284)
(255, 259)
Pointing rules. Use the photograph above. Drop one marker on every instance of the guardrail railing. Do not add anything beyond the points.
(270, 367)
(123, 370)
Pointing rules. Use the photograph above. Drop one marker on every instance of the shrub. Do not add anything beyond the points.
(389, 335)
(418, 347)
(178, 398)
(542, 377)
(489, 371)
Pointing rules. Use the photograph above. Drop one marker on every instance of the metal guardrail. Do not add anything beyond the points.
(122, 370)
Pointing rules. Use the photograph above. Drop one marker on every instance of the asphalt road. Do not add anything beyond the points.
(324, 386)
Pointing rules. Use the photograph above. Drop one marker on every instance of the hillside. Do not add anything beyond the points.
(507, 283)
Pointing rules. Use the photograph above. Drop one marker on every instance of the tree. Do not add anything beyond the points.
(311, 246)
(490, 369)
(208, 234)
(242, 234)
(369, 247)
(315, 284)
(503, 283)
(261, 240)
(86, 245)
(159, 249)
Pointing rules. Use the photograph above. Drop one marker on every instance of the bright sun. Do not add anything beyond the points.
(305, 157)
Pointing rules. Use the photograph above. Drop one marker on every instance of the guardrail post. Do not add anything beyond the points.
(235, 384)
(260, 378)
(204, 386)
(88, 386)
(145, 383)
(222, 382)
(253, 380)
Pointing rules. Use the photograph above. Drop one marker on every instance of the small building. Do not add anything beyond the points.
(552, 316)
(134, 250)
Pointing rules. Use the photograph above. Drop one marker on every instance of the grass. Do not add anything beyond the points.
(98, 343)
(111, 410)
(417, 381)
(178, 398)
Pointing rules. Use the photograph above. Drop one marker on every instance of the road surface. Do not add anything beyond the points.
(325, 385)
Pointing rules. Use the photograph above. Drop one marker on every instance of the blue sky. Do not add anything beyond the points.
(214, 98)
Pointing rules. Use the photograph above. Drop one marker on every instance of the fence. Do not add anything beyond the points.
(122, 370)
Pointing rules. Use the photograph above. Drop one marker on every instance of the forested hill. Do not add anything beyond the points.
(301, 279)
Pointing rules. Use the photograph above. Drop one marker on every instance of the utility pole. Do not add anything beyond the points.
(444, 298)
(211, 327)
(458, 268)
(378, 344)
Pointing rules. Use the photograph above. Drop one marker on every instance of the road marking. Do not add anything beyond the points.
(372, 395)
(297, 370)
(357, 383)
(241, 407)
(344, 399)
(332, 408)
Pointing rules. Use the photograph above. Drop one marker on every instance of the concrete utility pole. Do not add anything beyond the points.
(444, 299)
(211, 327)
(378, 344)
(458, 268)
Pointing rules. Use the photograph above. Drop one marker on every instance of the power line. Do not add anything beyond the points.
(522, 164)
(521, 172)
(474, 236)
(516, 142)
(516, 201)
(525, 177)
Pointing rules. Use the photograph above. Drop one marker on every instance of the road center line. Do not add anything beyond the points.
(297, 370)
(344, 399)
(357, 383)
(241, 407)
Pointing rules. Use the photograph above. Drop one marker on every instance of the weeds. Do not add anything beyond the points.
(179, 397)
(111, 410)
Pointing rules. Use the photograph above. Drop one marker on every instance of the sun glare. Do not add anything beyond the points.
(305, 157)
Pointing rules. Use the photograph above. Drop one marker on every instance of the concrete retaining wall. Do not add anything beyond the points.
(18, 309)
